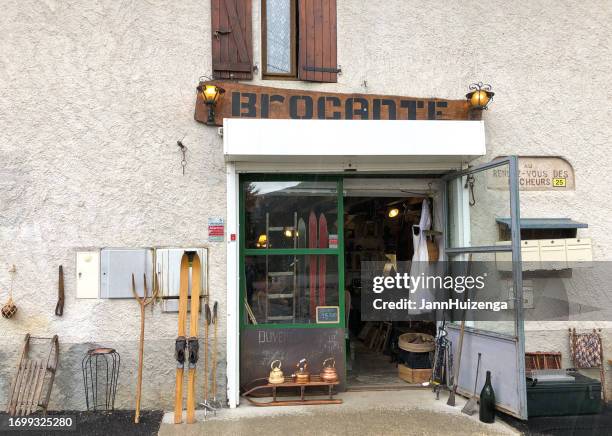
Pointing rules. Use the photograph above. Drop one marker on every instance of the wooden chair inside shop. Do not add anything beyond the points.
(586, 351)
(31, 387)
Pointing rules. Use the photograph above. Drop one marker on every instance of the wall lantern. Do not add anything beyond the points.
(210, 94)
(480, 96)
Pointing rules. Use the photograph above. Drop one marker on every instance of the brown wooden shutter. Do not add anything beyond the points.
(317, 42)
(232, 44)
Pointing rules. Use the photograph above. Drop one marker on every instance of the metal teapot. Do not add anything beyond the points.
(276, 375)
(302, 375)
(328, 372)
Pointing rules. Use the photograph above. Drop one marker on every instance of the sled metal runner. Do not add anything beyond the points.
(261, 385)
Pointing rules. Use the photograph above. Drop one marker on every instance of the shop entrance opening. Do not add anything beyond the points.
(381, 224)
(304, 241)
(307, 183)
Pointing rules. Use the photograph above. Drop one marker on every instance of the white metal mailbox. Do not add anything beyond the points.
(530, 256)
(553, 254)
(579, 250)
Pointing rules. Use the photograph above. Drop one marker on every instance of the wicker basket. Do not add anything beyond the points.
(424, 342)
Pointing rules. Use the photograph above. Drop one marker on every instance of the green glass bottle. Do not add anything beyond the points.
(487, 401)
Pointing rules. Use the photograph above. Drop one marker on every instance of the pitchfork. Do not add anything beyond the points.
(143, 301)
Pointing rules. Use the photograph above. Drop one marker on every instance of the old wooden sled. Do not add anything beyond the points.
(258, 386)
(31, 387)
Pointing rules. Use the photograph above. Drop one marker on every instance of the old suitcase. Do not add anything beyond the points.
(579, 396)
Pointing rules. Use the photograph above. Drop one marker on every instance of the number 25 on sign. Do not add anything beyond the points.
(559, 182)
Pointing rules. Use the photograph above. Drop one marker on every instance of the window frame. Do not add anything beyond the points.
(293, 74)
(244, 252)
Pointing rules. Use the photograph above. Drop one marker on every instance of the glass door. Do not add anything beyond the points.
(291, 262)
(474, 199)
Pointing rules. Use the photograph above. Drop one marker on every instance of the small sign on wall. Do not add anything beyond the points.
(333, 241)
(536, 173)
(216, 230)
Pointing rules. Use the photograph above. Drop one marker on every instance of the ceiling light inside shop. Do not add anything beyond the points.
(393, 212)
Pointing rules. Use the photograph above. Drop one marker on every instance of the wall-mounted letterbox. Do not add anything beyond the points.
(553, 254)
(548, 254)
(579, 250)
(530, 255)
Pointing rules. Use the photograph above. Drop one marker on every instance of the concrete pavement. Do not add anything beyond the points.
(413, 412)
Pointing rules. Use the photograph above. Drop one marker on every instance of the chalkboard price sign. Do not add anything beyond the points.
(328, 314)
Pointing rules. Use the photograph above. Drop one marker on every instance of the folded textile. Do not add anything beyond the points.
(587, 350)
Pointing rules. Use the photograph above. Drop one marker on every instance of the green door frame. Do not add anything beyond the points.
(243, 251)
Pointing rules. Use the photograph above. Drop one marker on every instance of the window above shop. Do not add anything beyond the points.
(299, 40)
(279, 38)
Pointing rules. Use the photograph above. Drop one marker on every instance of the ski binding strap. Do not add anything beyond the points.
(179, 351)
(193, 346)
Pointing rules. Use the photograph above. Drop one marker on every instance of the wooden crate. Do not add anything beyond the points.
(411, 375)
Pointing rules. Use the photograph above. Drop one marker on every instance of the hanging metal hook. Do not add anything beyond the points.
(469, 183)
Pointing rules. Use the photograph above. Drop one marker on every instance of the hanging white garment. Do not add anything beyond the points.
(420, 259)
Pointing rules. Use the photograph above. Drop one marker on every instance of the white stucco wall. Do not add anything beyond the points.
(95, 94)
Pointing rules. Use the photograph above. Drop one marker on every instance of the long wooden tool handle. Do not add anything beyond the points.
(207, 315)
(140, 363)
(142, 305)
(214, 357)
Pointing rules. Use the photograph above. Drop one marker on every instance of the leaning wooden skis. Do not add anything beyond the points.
(187, 347)
(192, 342)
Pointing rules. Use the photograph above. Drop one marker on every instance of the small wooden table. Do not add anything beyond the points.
(315, 381)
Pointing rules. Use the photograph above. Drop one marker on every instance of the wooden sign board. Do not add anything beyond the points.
(259, 347)
(251, 101)
(536, 173)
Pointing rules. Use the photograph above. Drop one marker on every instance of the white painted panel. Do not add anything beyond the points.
(117, 266)
(352, 141)
(87, 274)
(498, 355)
(168, 269)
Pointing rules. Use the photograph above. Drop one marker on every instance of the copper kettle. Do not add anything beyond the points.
(302, 375)
(276, 374)
(328, 372)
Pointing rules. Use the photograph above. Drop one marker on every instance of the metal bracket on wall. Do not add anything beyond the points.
(183, 149)
(322, 69)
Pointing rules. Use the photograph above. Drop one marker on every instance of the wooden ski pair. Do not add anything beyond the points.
(186, 348)
(318, 239)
